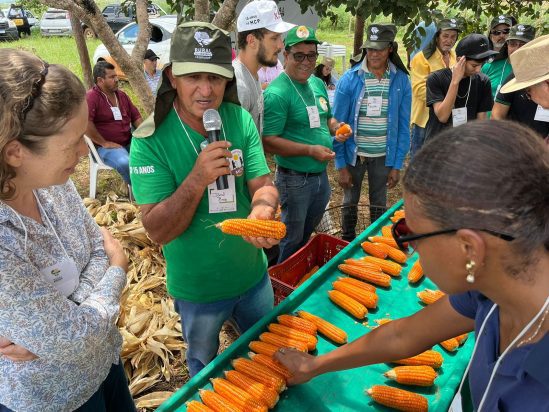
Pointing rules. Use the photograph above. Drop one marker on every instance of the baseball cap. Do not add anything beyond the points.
(474, 46)
(262, 14)
(379, 36)
(502, 19)
(449, 24)
(300, 34)
(150, 55)
(522, 32)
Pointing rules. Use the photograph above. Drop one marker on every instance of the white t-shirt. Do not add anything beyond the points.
(249, 93)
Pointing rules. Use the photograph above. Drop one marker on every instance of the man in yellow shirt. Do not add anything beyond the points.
(439, 54)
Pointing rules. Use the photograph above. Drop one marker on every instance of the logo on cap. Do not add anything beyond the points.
(202, 38)
(482, 45)
(374, 30)
(501, 18)
(453, 20)
(302, 32)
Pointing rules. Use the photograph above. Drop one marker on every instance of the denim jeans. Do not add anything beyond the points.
(303, 199)
(202, 322)
(418, 138)
(118, 159)
(377, 184)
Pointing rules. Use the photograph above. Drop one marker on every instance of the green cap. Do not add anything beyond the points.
(300, 34)
(502, 19)
(522, 32)
(199, 47)
(449, 24)
(379, 36)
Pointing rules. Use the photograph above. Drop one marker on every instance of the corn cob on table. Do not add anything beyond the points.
(345, 390)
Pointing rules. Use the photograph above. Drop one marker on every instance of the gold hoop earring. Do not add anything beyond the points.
(470, 267)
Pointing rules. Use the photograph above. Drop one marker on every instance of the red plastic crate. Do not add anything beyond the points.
(286, 275)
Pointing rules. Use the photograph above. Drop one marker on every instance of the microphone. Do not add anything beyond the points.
(212, 124)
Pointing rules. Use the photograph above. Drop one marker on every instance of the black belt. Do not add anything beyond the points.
(295, 172)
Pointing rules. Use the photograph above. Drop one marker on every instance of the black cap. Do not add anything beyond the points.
(474, 46)
(150, 55)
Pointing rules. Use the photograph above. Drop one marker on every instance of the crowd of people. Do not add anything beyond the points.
(480, 186)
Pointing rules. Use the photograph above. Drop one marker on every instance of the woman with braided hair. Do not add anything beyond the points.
(477, 213)
(61, 277)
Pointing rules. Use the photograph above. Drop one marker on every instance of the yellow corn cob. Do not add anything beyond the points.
(429, 357)
(382, 321)
(283, 341)
(237, 396)
(307, 275)
(399, 213)
(396, 254)
(415, 273)
(462, 338)
(260, 373)
(413, 375)
(253, 227)
(350, 305)
(295, 322)
(262, 347)
(285, 331)
(195, 406)
(271, 364)
(387, 266)
(217, 402)
(258, 390)
(382, 239)
(329, 330)
(358, 283)
(362, 263)
(429, 296)
(374, 249)
(387, 231)
(450, 344)
(398, 399)
(363, 273)
(367, 298)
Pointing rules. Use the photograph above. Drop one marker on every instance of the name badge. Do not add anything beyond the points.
(116, 113)
(63, 275)
(373, 108)
(459, 116)
(220, 201)
(542, 115)
(314, 117)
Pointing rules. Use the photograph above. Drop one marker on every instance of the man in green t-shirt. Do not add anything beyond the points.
(213, 277)
(298, 130)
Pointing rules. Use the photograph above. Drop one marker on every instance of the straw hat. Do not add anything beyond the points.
(530, 65)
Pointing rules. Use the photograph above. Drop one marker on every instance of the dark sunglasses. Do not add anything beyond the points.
(402, 234)
(498, 32)
(299, 57)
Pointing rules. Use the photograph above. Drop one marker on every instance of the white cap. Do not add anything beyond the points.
(262, 14)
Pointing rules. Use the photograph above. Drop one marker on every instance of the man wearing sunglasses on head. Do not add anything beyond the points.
(499, 30)
(297, 129)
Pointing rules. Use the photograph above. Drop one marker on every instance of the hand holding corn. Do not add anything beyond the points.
(299, 364)
(258, 232)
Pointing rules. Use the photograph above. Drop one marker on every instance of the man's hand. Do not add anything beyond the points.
(393, 178)
(341, 138)
(212, 162)
(300, 364)
(458, 71)
(264, 212)
(321, 153)
(14, 352)
(345, 179)
(111, 145)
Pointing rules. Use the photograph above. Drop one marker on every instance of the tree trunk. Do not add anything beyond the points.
(201, 10)
(82, 51)
(359, 34)
(226, 15)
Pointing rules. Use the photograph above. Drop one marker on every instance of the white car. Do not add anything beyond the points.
(56, 22)
(161, 33)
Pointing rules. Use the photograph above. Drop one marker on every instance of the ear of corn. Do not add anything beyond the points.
(398, 399)
(396, 254)
(195, 406)
(374, 249)
(298, 323)
(399, 213)
(283, 341)
(237, 396)
(413, 375)
(328, 329)
(260, 373)
(217, 402)
(271, 364)
(387, 231)
(253, 227)
(262, 347)
(429, 296)
(350, 305)
(256, 389)
(450, 344)
(415, 273)
(382, 239)
(367, 298)
(462, 338)
(307, 276)
(364, 273)
(285, 331)
(358, 283)
(382, 321)
(387, 266)
(429, 357)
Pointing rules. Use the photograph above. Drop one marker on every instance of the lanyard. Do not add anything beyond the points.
(108, 101)
(467, 95)
(380, 82)
(501, 76)
(297, 91)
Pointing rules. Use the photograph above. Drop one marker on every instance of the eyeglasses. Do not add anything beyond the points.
(499, 32)
(299, 57)
(402, 234)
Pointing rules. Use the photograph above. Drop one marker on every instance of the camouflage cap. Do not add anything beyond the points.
(522, 32)
(300, 34)
(379, 36)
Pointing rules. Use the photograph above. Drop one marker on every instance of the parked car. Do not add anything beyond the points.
(161, 33)
(8, 29)
(20, 17)
(55, 22)
(118, 16)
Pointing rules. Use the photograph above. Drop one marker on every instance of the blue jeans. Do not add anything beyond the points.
(303, 199)
(202, 322)
(118, 159)
(377, 185)
(418, 138)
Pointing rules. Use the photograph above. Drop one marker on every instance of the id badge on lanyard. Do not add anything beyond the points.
(220, 201)
(63, 275)
(314, 117)
(117, 115)
(373, 107)
(459, 116)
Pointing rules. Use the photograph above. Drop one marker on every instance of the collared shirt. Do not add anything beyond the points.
(268, 74)
(153, 80)
(76, 338)
(100, 113)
